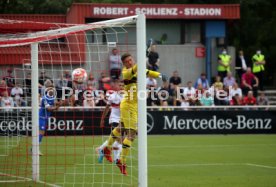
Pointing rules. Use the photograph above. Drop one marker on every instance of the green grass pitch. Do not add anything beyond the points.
(176, 161)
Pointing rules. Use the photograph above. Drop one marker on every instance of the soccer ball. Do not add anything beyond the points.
(79, 75)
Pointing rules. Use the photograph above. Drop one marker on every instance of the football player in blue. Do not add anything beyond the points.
(47, 106)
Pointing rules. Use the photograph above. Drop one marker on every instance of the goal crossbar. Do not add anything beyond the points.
(26, 39)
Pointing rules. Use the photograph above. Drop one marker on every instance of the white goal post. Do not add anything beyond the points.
(34, 39)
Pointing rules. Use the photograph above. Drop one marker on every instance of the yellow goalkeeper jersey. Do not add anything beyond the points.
(130, 81)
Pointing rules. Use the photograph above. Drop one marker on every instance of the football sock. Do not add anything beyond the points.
(117, 148)
(126, 146)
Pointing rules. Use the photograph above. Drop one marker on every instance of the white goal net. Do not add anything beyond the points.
(67, 154)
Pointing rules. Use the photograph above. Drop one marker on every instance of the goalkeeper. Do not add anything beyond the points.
(129, 110)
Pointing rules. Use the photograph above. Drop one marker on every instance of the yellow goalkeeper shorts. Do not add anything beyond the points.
(129, 116)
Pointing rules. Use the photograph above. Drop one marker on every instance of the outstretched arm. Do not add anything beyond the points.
(128, 73)
(55, 107)
(105, 112)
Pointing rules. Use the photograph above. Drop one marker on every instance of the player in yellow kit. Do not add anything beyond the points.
(129, 110)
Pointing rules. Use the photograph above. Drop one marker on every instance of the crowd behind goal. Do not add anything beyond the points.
(246, 88)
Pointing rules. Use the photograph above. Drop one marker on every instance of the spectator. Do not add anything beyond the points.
(207, 100)
(103, 81)
(229, 80)
(249, 82)
(28, 85)
(203, 81)
(151, 83)
(190, 94)
(235, 90)
(115, 64)
(150, 95)
(91, 81)
(262, 99)
(17, 94)
(150, 42)
(163, 101)
(100, 99)
(3, 87)
(175, 82)
(200, 91)
(241, 65)
(10, 81)
(220, 93)
(258, 61)
(7, 102)
(224, 62)
(67, 75)
(184, 103)
(61, 83)
(249, 99)
(79, 88)
(164, 92)
(218, 85)
(236, 100)
(42, 78)
(89, 99)
(153, 59)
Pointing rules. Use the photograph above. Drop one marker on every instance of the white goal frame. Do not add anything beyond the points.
(34, 39)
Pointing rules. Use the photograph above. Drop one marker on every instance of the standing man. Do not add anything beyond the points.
(115, 64)
(241, 65)
(153, 59)
(224, 62)
(129, 110)
(175, 82)
(10, 80)
(258, 61)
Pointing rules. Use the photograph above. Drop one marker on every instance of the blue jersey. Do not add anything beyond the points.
(46, 102)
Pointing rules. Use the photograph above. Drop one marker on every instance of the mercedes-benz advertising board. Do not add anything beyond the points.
(158, 122)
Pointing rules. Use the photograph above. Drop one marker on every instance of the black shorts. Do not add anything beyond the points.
(114, 125)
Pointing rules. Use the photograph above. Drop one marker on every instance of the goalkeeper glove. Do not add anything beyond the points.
(163, 77)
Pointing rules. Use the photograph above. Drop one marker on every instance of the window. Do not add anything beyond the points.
(192, 33)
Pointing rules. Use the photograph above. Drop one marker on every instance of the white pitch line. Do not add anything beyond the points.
(24, 179)
(48, 184)
(213, 164)
(189, 165)
(192, 146)
(261, 166)
(14, 176)
(11, 181)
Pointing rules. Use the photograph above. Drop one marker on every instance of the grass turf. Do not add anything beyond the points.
(188, 161)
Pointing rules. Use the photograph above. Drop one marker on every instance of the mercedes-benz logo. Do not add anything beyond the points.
(150, 122)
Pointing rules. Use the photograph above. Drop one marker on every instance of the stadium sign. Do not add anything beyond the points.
(214, 122)
(21, 124)
(161, 11)
(62, 125)
(67, 123)
(124, 11)
(173, 122)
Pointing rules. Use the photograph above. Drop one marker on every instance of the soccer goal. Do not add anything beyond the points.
(66, 154)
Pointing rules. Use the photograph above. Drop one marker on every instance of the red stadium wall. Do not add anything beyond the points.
(79, 11)
(71, 52)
